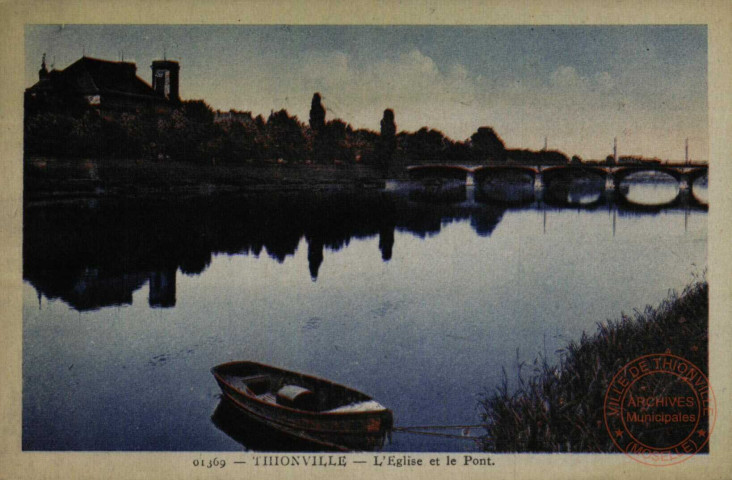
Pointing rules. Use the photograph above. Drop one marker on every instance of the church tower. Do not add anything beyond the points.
(43, 72)
(165, 75)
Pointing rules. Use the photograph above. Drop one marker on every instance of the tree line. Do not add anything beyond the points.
(193, 131)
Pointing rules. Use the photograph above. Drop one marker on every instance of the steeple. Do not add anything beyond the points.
(165, 80)
(43, 72)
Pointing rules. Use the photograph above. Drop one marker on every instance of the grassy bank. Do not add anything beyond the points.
(73, 178)
(559, 408)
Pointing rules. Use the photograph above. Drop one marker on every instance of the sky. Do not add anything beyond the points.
(577, 86)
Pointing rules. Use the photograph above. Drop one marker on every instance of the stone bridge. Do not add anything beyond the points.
(548, 174)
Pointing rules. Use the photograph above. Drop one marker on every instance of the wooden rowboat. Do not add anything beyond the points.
(308, 408)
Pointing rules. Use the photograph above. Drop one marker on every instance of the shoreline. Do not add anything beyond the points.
(51, 179)
(558, 408)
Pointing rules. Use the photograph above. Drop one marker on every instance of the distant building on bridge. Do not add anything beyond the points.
(105, 85)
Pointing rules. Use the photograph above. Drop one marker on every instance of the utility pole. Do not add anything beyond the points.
(545, 144)
(615, 150)
(686, 151)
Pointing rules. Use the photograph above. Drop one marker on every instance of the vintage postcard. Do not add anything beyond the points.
(247, 241)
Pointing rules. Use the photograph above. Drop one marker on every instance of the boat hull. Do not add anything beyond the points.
(344, 431)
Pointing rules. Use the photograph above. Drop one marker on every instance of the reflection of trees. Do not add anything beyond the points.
(315, 257)
(486, 220)
(386, 242)
(97, 256)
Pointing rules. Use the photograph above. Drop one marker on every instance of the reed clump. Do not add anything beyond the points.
(559, 408)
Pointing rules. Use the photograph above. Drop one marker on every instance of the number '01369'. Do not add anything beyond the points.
(209, 463)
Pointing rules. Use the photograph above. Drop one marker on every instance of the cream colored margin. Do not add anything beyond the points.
(717, 14)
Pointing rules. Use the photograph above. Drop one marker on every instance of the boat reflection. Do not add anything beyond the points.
(253, 435)
(256, 436)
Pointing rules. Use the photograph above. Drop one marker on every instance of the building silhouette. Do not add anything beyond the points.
(165, 79)
(105, 85)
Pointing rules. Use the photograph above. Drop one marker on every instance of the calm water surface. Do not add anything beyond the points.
(419, 301)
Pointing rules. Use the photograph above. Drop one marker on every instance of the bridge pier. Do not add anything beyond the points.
(610, 182)
(684, 184)
(545, 175)
(470, 194)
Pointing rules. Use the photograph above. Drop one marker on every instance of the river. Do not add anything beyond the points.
(420, 300)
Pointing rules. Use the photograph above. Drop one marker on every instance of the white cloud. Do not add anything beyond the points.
(579, 113)
(567, 78)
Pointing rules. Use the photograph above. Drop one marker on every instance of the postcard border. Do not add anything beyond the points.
(716, 14)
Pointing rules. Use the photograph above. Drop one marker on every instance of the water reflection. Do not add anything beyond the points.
(95, 256)
(700, 189)
(576, 191)
(650, 188)
(256, 436)
(253, 436)
(511, 186)
(421, 311)
(439, 192)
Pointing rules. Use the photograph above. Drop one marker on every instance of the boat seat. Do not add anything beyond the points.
(362, 406)
(258, 384)
(295, 396)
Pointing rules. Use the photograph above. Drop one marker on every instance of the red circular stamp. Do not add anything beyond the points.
(660, 410)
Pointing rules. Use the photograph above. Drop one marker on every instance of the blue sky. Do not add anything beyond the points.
(580, 86)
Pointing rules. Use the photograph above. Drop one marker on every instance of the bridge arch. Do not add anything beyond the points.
(622, 173)
(693, 174)
(505, 184)
(448, 172)
(577, 185)
(572, 172)
(484, 173)
(626, 204)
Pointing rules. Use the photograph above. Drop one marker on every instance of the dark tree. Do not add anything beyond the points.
(364, 146)
(457, 152)
(186, 132)
(317, 114)
(387, 144)
(553, 157)
(317, 127)
(425, 145)
(487, 146)
(285, 139)
(332, 142)
(47, 133)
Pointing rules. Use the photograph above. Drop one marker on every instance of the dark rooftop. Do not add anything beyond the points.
(91, 76)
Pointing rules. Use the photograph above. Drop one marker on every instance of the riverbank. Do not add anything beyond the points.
(59, 179)
(559, 408)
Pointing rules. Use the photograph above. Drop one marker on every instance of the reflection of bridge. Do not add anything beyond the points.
(612, 174)
(98, 255)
